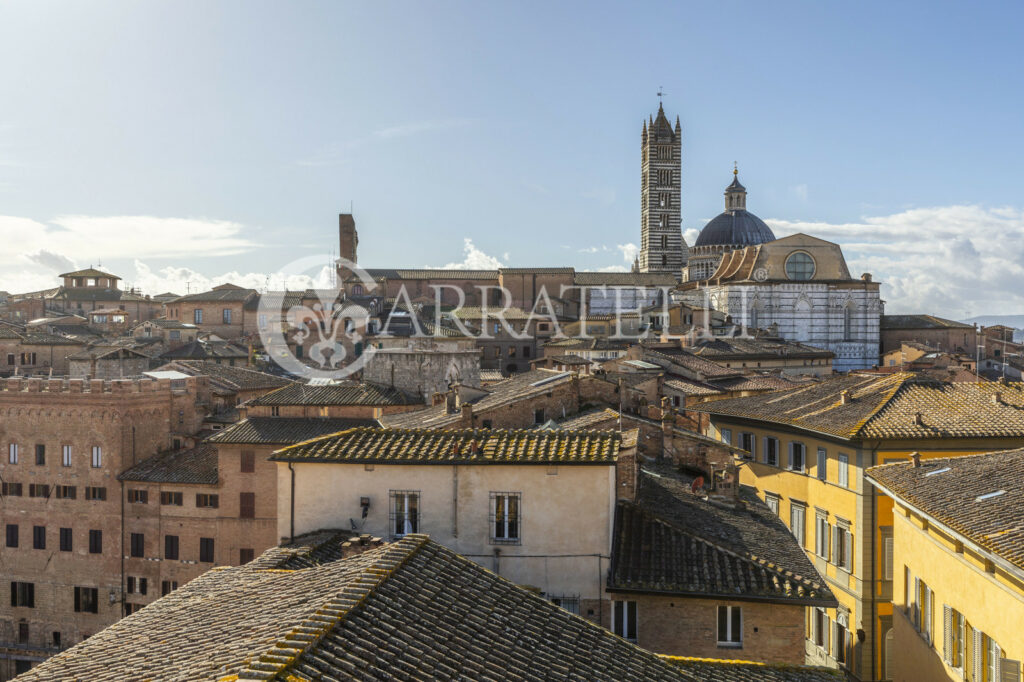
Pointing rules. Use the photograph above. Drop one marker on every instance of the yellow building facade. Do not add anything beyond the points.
(809, 448)
(958, 602)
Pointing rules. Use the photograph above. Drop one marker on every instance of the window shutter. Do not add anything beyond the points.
(979, 656)
(849, 551)
(917, 607)
(1009, 670)
(887, 551)
(14, 594)
(947, 634)
(764, 450)
(790, 465)
(78, 599)
(835, 545)
(890, 644)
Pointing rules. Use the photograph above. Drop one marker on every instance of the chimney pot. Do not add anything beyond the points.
(919, 419)
(915, 457)
(997, 398)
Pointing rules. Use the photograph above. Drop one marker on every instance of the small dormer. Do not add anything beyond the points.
(90, 278)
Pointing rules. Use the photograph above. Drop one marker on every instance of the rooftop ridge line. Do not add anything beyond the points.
(272, 664)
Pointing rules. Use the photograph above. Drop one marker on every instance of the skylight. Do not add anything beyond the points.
(937, 471)
(989, 496)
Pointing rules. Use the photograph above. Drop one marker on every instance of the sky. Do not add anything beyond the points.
(187, 143)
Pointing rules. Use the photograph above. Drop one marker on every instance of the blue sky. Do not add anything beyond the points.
(209, 140)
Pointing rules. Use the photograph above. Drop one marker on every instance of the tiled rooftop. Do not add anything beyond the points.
(410, 610)
(225, 376)
(725, 347)
(949, 490)
(673, 541)
(286, 430)
(343, 393)
(921, 322)
(712, 670)
(476, 446)
(895, 406)
(516, 388)
(196, 465)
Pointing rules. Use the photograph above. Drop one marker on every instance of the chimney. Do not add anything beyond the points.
(450, 401)
(846, 397)
(467, 416)
(915, 457)
(437, 399)
(918, 419)
(997, 398)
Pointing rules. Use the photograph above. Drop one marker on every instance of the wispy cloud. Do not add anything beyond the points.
(948, 260)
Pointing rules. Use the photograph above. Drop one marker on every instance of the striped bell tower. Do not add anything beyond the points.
(662, 248)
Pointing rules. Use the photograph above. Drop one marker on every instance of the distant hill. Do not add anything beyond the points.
(1015, 321)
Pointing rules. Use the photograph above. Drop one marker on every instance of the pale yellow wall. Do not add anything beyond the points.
(566, 510)
(992, 602)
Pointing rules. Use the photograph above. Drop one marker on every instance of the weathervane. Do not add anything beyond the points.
(660, 93)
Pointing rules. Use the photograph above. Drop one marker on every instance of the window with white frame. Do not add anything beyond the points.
(624, 619)
(953, 637)
(840, 639)
(197, 316)
(730, 626)
(727, 436)
(842, 546)
(97, 456)
(771, 451)
(747, 442)
(797, 521)
(12, 453)
(65, 455)
(820, 628)
(797, 453)
(505, 518)
(405, 512)
(772, 500)
(844, 471)
(822, 464)
(821, 535)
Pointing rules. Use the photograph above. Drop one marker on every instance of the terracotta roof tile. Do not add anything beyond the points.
(196, 465)
(286, 430)
(342, 393)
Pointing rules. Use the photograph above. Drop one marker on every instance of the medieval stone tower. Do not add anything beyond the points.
(662, 248)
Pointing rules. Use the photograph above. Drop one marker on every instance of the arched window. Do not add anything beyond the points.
(664, 241)
(848, 311)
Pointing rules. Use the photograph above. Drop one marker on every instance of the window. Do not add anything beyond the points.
(953, 637)
(65, 455)
(175, 335)
(138, 496)
(38, 490)
(275, 411)
(887, 552)
(796, 456)
(205, 501)
(171, 547)
(38, 537)
(245, 555)
(138, 545)
(226, 316)
(819, 628)
(842, 547)
(405, 515)
(197, 315)
(505, 518)
(730, 626)
(822, 535)
(167, 497)
(841, 639)
(206, 550)
(797, 515)
(772, 500)
(23, 594)
(726, 436)
(246, 505)
(87, 600)
(538, 416)
(12, 453)
(66, 543)
(40, 455)
(261, 320)
(130, 608)
(95, 542)
(822, 464)
(844, 465)
(95, 493)
(570, 604)
(526, 351)
(130, 584)
(800, 266)
(97, 456)
(12, 535)
(168, 586)
(747, 442)
(624, 619)
(137, 585)
(23, 633)
(771, 451)
(11, 489)
(248, 461)
(923, 610)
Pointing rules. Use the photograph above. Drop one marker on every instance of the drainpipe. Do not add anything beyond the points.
(291, 501)
(122, 549)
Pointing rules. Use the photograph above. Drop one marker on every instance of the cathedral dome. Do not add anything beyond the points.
(736, 226)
